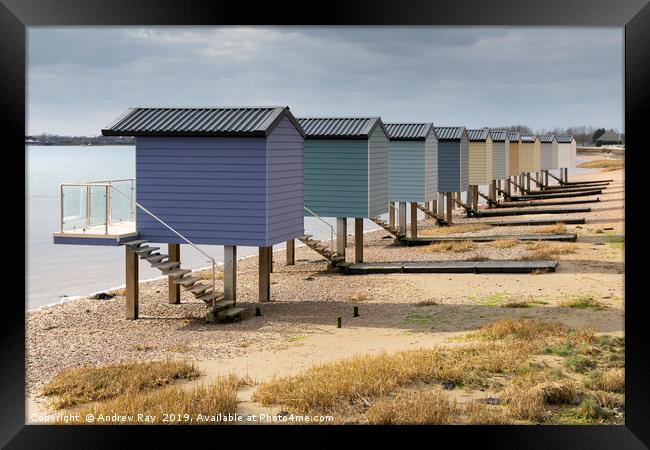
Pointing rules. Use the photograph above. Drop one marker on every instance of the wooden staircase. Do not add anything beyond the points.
(321, 249)
(224, 310)
(439, 220)
(388, 227)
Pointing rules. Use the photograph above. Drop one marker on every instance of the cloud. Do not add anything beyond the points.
(80, 78)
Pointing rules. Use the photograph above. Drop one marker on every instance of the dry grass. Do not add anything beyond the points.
(446, 247)
(78, 385)
(605, 164)
(503, 243)
(357, 297)
(455, 229)
(207, 274)
(427, 302)
(610, 380)
(543, 251)
(323, 388)
(582, 302)
(558, 228)
(218, 397)
(478, 413)
(528, 396)
(421, 408)
(522, 329)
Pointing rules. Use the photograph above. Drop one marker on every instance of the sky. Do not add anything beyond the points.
(81, 78)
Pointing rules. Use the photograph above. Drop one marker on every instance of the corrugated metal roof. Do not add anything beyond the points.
(478, 135)
(339, 127)
(203, 121)
(513, 136)
(564, 138)
(546, 138)
(499, 135)
(528, 137)
(408, 131)
(449, 133)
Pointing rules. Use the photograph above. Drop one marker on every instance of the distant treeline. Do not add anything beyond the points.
(584, 135)
(55, 139)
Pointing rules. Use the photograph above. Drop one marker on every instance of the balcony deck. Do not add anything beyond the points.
(96, 235)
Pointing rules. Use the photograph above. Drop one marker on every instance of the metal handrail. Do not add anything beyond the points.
(332, 233)
(214, 263)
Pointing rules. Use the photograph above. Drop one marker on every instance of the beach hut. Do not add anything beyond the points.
(566, 146)
(453, 165)
(500, 159)
(514, 140)
(346, 172)
(480, 162)
(228, 176)
(548, 154)
(412, 168)
(529, 157)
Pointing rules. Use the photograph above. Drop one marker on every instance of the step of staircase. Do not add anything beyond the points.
(145, 250)
(136, 243)
(177, 272)
(230, 314)
(155, 258)
(208, 297)
(187, 281)
(166, 266)
(200, 288)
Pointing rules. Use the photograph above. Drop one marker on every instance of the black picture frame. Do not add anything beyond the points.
(634, 15)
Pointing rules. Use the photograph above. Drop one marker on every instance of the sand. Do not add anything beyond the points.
(298, 328)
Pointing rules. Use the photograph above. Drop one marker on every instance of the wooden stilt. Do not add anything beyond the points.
(449, 208)
(358, 239)
(414, 220)
(441, 204)
(264, 274)
(342, 234)
(391, 214)
(173, 289)
(469, 199)
(132, 262)
(401, 221)
(291, 252)
(230, 271)
(434, 206)
(546, 178)
(271, 260)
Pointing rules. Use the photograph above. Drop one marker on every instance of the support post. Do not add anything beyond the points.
(391, 214)
(441, 205)
(173, 289)
(264, 274)
(475, 196)
(492, 192)
(271, 260)
(132, 262)
(414, 220)
(469, 199)
(434, 206)
(291, 252)
(546, 178)
(566, 174)
(358, 239)
(401, 221)
(449, 209)
(527, 181)
(230, 272)
(508, 185)
(342, 234)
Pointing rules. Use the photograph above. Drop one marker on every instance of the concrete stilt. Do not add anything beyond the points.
(230, 272)
(401, 220)
(449, 207)
(264, 274)
(358, 239)
(414, 220)
(173, 289)
(342, 234)
(132, 266)
(441, 204)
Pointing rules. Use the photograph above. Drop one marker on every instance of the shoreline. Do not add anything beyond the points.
(149, 280)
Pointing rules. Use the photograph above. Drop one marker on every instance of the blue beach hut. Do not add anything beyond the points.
(228, 176)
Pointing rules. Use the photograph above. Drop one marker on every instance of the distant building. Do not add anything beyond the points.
(609, 138)
(31, 140)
